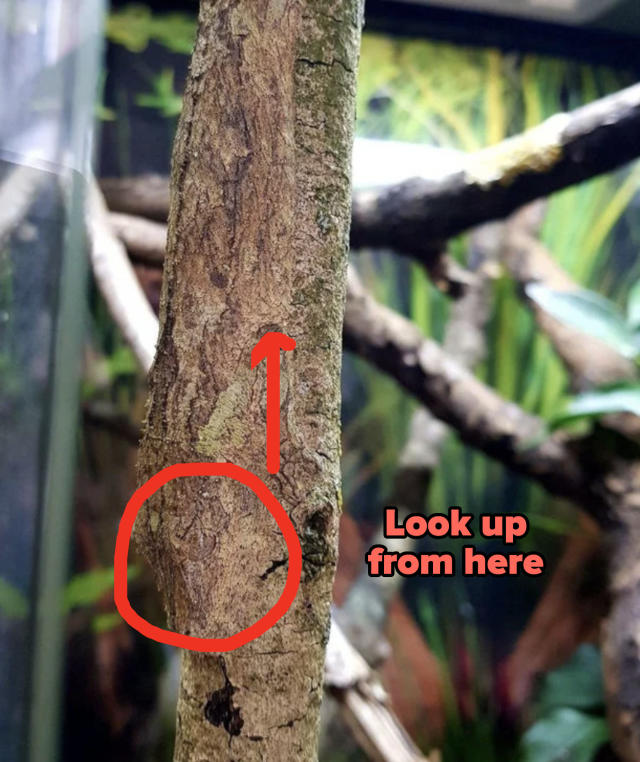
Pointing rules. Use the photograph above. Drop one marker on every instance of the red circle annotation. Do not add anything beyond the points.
(191, 642)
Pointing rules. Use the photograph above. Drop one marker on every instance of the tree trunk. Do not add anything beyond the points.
(621, 632)
(258, 237)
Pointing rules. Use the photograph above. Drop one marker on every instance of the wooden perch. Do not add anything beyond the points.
(144, 239)
(480, 417)
(365, 704)
(364, 612)
(413, 217)
(563, 150)
(145, 196)
(589, 361)
(118, 284)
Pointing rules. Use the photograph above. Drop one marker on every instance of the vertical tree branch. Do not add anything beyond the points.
(347, 677)
(257, 242)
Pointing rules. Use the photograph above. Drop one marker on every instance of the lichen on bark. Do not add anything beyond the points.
(258, 235)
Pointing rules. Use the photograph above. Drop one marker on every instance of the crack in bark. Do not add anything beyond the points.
(290, 723)
(274, 566)
(326, 64)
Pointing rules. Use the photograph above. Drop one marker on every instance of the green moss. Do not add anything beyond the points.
(536, 150)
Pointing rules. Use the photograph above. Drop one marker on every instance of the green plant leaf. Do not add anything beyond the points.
(131, 27)
(563, 735)
(578, 684)
(163, 97)
(176, 31)
(88, 587)
(588, 312)
(121, 362)
(105, 114)
(105, 622)
(14, 604)
(593, 404)
(633, 305)
(135, 26)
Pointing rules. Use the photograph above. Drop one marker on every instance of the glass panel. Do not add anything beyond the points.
(48, 72)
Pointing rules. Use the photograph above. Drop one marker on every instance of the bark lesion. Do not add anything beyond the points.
(318, 552)
(220, 709)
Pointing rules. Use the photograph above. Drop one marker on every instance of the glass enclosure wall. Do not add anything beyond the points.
(49, 53)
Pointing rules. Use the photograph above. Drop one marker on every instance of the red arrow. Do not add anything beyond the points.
(269, 346)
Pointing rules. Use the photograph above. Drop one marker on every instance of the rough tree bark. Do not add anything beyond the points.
(258, 237)
(363, 700)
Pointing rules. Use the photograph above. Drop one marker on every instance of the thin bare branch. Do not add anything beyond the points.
(589, 361)
(144, 239)
(480, 417)
(365, 704)
(118, 284)
(145, 195)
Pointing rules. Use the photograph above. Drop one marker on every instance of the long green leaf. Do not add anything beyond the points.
(13, 602)
(564, 735)
(88, 587)
(633, 305)
(590, 313)
(593, 404)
